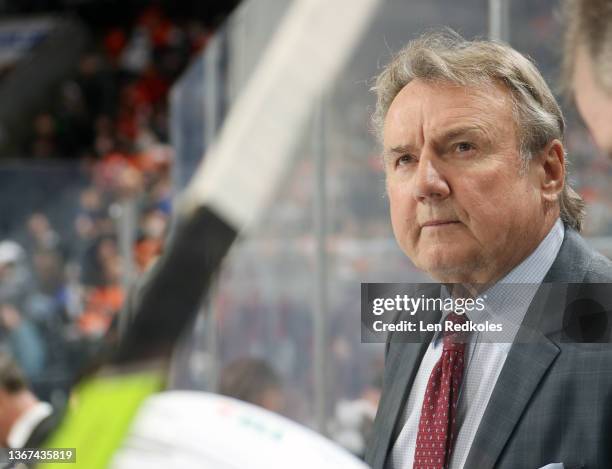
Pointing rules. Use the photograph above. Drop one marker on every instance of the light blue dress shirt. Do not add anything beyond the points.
(505, 303)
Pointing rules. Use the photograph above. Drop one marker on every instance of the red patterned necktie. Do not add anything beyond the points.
(437, 434)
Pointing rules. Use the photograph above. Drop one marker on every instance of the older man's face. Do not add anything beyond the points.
(594, 104)
(460, 207)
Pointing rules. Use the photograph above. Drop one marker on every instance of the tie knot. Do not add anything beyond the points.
(453, 337)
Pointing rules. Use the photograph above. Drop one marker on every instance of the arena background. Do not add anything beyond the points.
(107, 107)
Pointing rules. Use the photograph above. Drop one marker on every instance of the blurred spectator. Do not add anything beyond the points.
(253, 380)
(15, 278)
(137, 53)
(23, 340)
(41, 236)
(353, 420)
(103, 295)
(25, 421)
(50, 283)
(44, 141)
(33, 309)
(97, 85)
(153, 226)
(114, 43)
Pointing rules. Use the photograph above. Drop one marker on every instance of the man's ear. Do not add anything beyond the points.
(551, 170)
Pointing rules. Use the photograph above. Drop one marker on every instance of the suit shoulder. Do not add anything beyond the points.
(599, 270)
(578, 262)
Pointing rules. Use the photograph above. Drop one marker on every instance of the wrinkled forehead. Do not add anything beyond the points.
(435, 105)
(486, 91)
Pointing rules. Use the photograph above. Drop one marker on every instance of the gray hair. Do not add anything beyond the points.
(447, 57)
(588, 24)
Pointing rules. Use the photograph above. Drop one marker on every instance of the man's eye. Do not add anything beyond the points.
(404, 160)
(464, 146)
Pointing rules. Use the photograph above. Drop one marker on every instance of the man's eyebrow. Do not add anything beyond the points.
(459, 131)
(397, 150)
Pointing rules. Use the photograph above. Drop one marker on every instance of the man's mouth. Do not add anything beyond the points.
(439, 223)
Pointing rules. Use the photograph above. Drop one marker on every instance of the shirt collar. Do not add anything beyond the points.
(24, 426)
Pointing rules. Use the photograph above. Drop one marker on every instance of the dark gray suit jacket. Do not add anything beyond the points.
(553, 399)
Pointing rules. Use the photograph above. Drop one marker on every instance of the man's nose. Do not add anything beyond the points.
(429, 183)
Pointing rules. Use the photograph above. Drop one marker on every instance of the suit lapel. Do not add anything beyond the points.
(523, 370)
(530, 357)
(392, 402)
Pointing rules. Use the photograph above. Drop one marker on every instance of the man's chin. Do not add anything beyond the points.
(452, 270)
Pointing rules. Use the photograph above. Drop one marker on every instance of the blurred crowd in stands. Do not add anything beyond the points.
(61, 287)
(116, 103)
(63, 269)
